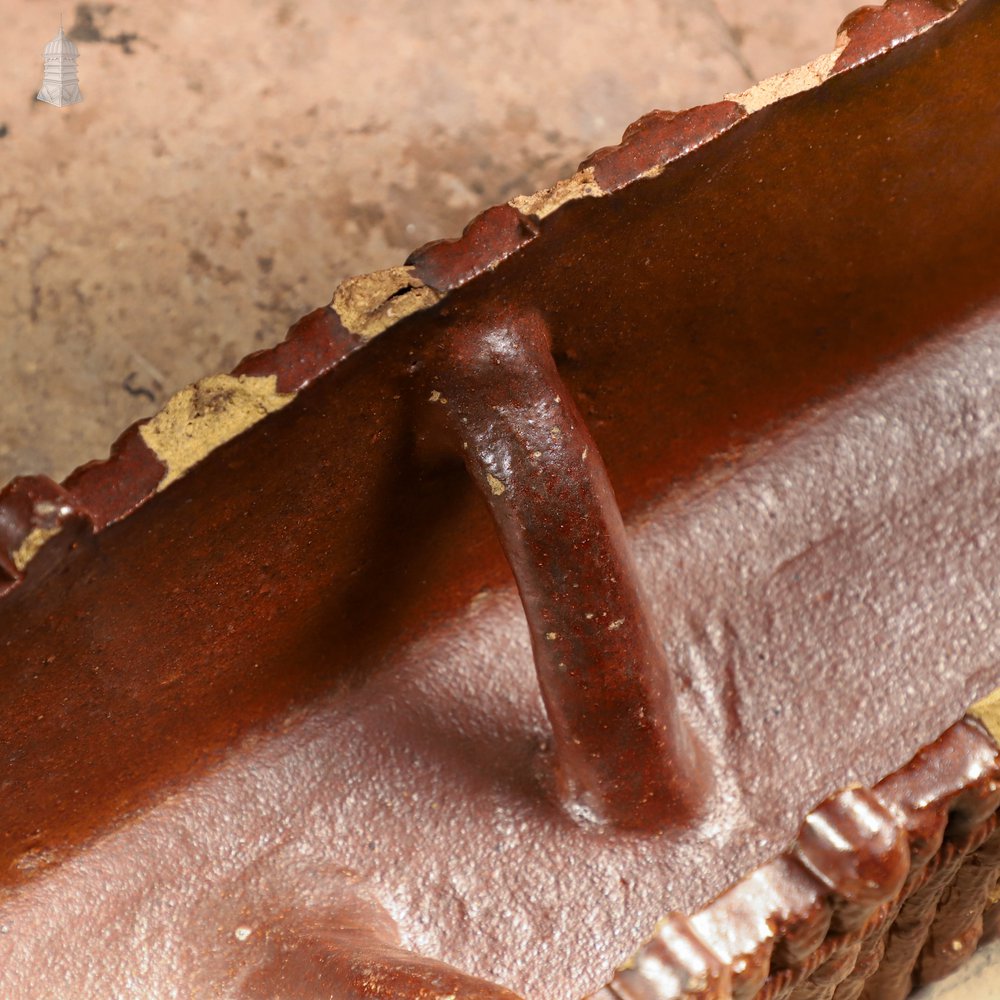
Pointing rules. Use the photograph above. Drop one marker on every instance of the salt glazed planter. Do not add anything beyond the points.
(605, 589)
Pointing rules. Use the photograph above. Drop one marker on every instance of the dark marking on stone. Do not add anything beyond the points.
(137, 390)
(85, 27)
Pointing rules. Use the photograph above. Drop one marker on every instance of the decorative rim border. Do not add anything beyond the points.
(836, 884)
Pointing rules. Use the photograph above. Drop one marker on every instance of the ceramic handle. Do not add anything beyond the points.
(623, 754)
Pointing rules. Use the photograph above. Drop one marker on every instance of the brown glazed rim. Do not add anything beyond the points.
(792, 914)
(152, 453)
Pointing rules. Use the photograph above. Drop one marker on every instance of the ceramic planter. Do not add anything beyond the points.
(505, 624)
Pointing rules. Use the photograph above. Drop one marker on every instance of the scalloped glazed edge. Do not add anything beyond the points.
(794, 913)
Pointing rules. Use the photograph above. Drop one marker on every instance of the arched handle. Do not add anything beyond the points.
(623, 753)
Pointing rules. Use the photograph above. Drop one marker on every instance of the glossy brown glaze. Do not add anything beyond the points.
(783, 342)
(37, 514)
(866, 890)
(862, 879)
(904, 941)
(487, 240)
(657, 138)
(623, 753)
(872, 29)
(109, 490)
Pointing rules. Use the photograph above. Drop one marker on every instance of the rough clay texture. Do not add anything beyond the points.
(789, 82)
(987, 711)
(232, 163)
(207, 414)
(371, 303)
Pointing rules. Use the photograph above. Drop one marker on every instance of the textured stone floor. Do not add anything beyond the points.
(232, 162)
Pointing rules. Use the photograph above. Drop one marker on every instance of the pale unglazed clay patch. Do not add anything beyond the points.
(32, 544)
(782, 85)
(806, 77)
(987, 711)
(206, 415)
(371, 303)
(543, 203)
